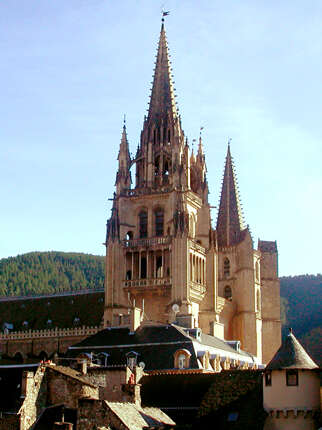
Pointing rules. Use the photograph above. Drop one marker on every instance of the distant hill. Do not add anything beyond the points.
(38, 273)
(301, 300)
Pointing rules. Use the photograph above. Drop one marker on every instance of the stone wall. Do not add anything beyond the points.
(34, 390)
(64, 389)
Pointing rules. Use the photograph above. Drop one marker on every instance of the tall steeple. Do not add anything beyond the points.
(162, 140)
(230, 220)
(162, 101)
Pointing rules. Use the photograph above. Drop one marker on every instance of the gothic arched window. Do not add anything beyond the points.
(258, 301)
(159, 222)
(257, 271)
(226, 267)
(143, 224)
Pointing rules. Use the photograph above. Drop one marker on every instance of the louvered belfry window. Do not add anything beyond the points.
(143, 224)
(159, 222)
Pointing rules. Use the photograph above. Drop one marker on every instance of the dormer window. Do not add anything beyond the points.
(76, 321)
(182, 359)
(131, 359)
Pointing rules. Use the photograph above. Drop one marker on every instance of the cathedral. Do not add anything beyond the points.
(164, 261)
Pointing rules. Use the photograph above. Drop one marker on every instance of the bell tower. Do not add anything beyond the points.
(158, 232)
(163, 259)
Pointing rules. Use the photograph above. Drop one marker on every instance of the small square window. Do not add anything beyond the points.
(292, 378)
(268, 379)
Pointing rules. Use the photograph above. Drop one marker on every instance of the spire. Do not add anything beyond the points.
(162, 99)
(123, 176)
(230, 220)
(124, 146)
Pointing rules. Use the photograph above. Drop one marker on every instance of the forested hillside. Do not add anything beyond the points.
(40, 273)
(301, 309)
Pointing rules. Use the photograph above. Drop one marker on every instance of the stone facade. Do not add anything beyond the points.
(163, 255)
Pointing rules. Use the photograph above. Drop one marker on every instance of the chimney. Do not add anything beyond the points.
(84, 367)
(27, 383)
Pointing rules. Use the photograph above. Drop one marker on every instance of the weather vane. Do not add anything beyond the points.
(165, 13)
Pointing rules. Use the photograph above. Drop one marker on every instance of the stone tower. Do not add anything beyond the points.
(163, 256)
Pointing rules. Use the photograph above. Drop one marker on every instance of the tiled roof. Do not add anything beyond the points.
(59, 310)
(291, 355)
(137, 418)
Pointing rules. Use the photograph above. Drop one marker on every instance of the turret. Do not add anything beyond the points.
(291, 388)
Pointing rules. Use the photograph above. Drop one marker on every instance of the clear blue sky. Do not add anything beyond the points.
(246, 70)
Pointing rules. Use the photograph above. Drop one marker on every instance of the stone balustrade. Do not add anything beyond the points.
(200, 288)
(151, 282)
(54, 332)
(164, 240)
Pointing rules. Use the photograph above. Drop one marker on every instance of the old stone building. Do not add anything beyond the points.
(162, 254)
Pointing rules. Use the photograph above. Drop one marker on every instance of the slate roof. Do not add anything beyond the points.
(154, 344)
(217, 343)
(291, 355)
(61, 309)
(137, 418)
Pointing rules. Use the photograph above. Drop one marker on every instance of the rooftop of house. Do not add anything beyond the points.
(291, 355)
